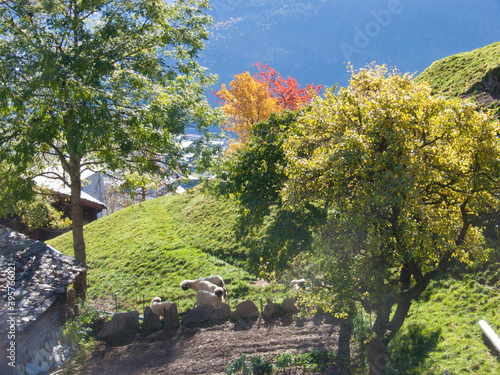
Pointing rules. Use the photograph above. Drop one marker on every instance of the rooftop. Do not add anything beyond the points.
(40, 275)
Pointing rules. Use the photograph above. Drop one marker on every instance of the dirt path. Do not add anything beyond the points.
(209, 349)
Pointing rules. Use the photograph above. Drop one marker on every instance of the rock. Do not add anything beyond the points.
(288, 305)
(151, 320)
(198, 314)
(44, 353)
(171, 317)
(32, 369)
(121, 326)
(222, 313)
(45, 366)
(270, 309)
(245, 309)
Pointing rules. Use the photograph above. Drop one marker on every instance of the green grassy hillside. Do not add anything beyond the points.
(474, 74)
(442, 331)
(146, 250)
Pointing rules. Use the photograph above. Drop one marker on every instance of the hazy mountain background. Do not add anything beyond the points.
(312, 40)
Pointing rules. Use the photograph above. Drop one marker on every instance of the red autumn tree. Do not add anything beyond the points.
(287, 91)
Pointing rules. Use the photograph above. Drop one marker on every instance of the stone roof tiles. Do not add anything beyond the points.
(33, 275)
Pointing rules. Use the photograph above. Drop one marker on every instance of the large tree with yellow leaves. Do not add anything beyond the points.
(403, 175)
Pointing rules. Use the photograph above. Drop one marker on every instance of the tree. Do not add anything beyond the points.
(253, 99)
(403, 175)
(24, 210)
(255, 175)
(287, 91)
(109, 86)
(246, 102)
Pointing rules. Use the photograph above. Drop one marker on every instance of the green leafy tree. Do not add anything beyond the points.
(254, 176)
(109, 86)
(403, 175)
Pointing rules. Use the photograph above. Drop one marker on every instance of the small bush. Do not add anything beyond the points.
(81, 329)
(261, 366)
(239, 366)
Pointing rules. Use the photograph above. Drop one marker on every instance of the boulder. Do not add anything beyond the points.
(151, 320)
(288, 306)
(198, 314)
(171, 317)
(244, 310)
(222, 313)
(270, 309)
(121, 326)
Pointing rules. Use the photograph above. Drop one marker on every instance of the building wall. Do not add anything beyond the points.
(34, 337)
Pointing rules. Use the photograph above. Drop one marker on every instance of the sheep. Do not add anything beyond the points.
(207, 283)
(216, 279)
(206, 298)
(298, 284)
(159, 307)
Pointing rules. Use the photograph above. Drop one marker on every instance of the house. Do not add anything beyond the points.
(33, 280)
(91, 195)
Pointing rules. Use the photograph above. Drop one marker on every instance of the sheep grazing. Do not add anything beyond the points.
(216, 279)
(206, 298)
(159, 307)
(207, 283)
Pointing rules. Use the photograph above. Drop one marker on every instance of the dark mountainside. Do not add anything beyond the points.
(314, 40)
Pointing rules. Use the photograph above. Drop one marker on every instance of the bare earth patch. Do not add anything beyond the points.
(208, 349)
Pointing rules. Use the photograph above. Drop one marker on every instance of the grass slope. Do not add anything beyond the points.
(474, 74)
(146, 250)
(443, 332)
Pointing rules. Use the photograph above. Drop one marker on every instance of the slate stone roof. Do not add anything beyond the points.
(41, 276)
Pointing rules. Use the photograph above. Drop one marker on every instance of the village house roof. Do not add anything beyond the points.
(41, 275)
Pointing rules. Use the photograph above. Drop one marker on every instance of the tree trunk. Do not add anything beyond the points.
(80, 283)
(344, 344)
(384, 330)
(377, 356)
(377, 347)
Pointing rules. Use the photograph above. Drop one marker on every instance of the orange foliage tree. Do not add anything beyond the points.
(246, 102)
(251, 99)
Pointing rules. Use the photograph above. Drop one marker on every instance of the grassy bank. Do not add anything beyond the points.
(146, 250)
(443, 332)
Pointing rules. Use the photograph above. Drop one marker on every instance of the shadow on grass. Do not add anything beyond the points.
(410, 349)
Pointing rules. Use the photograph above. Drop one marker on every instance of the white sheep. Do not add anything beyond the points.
(298, 284)
(159, 307)
(205, 298)
(216, 279)
(207, 283)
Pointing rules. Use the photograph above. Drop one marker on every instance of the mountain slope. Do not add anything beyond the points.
(314, 40)
(474, 74)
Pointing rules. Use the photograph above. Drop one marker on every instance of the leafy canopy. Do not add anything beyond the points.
(246, 102)
(403, 175)
(114, 85)
(111, 83)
